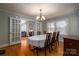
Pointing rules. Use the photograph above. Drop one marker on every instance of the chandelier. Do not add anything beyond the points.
(40, 17)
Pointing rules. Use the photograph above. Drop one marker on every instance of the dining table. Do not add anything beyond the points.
(37, 40)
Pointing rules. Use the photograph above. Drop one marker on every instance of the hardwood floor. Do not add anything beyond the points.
(24, 50)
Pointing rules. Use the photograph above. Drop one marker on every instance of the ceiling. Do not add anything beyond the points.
(49, 10)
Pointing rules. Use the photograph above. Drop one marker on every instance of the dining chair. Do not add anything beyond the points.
(49, 37)
(57, 39)
(52, 41)
(31, 33)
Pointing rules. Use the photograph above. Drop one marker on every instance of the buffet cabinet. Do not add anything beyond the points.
(71, 46)
(14, 31)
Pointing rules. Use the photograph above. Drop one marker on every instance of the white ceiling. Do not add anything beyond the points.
(49, 10)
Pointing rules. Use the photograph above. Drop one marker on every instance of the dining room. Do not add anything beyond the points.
(39, 29)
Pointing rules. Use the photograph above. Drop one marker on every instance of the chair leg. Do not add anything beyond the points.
(45, 51)
(53, 45)
(37, 51)
(49, 47)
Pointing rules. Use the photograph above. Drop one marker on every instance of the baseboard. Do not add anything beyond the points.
(15, 43)
(4, 45)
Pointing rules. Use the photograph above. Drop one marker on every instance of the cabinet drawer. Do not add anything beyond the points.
(69, 42)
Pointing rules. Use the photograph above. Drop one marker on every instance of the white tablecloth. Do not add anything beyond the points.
(37, 40)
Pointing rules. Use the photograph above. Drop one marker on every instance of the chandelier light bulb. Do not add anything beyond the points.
(37, 17)
(43, 17)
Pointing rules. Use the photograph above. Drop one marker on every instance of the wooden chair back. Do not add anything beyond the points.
(53, 37)
(48, 37)
(57, 36)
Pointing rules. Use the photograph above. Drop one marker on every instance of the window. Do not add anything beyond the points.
(60, 26)
(50, 27)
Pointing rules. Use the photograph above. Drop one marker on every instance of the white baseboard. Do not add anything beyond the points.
(4, 45)
(15, 43)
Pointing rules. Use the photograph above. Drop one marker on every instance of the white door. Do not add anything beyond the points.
(14, 33)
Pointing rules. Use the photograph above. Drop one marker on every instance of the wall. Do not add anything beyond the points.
(4, 17)
(3, 29)
(78, 28)
(78, 24)
(72, 25)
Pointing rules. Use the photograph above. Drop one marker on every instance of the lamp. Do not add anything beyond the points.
(40, 17)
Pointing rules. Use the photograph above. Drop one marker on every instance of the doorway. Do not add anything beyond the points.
(23, 28)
